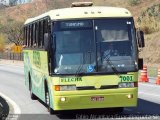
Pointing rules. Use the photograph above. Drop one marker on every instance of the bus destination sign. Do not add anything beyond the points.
(76, 24)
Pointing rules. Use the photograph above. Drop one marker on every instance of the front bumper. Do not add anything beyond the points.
(82, 99)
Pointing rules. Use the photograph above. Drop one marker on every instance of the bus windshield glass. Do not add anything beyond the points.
(94, 46)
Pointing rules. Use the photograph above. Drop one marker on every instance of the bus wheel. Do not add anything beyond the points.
(47, 99)
(33, 96)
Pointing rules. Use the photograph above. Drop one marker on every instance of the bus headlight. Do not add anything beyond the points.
(126, 85)
(63, 99)
(65, 87)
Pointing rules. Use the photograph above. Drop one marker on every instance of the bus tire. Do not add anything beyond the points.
(47, 100)
(33, 96)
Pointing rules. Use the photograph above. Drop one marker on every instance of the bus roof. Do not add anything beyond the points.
(82, 13)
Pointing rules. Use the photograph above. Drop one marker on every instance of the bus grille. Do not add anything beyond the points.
(93, 88)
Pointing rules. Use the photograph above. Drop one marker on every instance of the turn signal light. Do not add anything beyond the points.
(57, 88)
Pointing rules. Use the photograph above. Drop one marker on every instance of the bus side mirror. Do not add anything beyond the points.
(140, 63)
(46, 41)
(140, 38)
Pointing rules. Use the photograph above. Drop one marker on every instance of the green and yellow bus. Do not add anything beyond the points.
(65, 60)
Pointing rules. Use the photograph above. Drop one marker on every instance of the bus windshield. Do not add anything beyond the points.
(94, 46)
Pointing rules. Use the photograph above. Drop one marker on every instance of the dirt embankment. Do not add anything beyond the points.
(151, 51)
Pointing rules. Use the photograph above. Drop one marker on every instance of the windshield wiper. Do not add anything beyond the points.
(78, 72)
(112, 65)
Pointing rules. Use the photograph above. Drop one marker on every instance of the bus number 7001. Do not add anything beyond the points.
(126, 78)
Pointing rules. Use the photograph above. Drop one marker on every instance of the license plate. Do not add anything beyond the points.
(97, 98)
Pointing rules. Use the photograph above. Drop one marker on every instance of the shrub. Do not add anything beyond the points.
(150, 25)
(134, 2)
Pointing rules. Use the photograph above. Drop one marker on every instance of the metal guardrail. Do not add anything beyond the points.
(11, 56)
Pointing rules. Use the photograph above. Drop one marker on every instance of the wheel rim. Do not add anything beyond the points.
(47, 98)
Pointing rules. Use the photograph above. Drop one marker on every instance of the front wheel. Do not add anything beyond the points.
(48, 102)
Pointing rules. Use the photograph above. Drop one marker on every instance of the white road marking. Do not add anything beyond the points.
(150, 85)
(15, 106)
(150, 94)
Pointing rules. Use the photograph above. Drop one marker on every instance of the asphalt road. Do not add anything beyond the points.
(12, 85)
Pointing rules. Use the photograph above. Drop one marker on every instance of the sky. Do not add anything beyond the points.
(7, 2)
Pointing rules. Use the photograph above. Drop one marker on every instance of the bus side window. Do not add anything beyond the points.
(27, 36)
(42, 26)
(40, 33)
(36, 35)
(31, 35)
(45, 27)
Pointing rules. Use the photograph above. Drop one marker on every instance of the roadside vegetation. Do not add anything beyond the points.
(149, 20)
(134, 2)
(2, 42)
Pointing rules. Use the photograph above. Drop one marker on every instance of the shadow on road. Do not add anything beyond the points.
(4, 108)
(89, 114)
(144, 109)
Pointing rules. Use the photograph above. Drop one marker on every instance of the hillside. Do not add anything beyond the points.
(145, 12)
